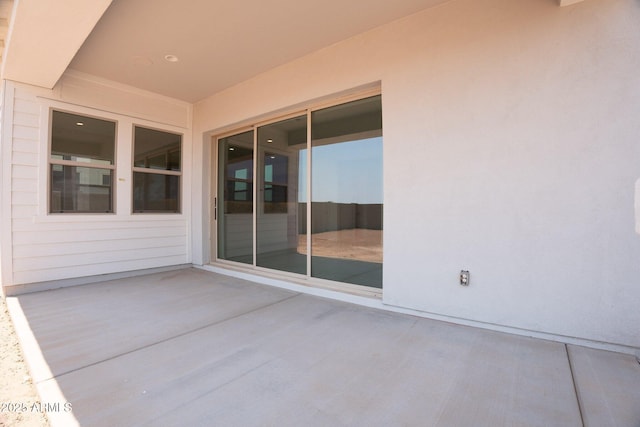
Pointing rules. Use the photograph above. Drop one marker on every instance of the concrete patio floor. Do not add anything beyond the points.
(195, 348)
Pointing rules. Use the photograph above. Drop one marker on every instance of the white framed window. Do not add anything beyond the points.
(157, 171)
(81, 164)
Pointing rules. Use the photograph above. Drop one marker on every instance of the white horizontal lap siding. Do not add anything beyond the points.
(53, 251)
(28, 173)
(48, 247)
(31, 252)
(24, 157)
(82, 233)
(78, 223)
(23, 211)
(45, 275)
(47, 262)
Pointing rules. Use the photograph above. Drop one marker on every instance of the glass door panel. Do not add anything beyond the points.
(235, 198)
(281, 213)
(346, 193)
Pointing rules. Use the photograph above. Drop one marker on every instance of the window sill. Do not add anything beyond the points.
(104, 217)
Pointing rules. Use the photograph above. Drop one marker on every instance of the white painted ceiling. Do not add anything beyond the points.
(220, 43)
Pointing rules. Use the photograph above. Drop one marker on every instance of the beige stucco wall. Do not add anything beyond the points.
(516, 123)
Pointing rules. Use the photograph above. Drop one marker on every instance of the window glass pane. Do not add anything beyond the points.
(234, 209)
(80, 189)
(237, 154)
(281, 215)
(276, 180)
(156, 149)
(346, 190)
(156, 192)
(82, 139)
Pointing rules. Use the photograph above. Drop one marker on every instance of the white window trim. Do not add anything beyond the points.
(158, 171)
(51, 161)
(123, 179)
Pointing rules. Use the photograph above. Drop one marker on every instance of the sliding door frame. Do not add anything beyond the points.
(216, 204)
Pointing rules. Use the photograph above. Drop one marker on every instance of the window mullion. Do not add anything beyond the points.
(256, 185)
(157, 171)
(81, 164)
(308, 193)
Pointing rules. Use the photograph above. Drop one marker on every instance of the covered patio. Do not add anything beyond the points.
(192, 347)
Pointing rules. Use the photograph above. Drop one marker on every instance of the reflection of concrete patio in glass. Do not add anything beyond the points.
(350, 256)
(336, 269)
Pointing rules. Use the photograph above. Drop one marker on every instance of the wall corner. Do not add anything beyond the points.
(6, 146)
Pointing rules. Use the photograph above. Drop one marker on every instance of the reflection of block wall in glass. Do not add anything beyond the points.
(346, 188)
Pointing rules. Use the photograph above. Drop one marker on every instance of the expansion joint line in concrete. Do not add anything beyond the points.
(575, 386)
(218, 322)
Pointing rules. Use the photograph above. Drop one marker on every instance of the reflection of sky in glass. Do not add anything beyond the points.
(348, 172)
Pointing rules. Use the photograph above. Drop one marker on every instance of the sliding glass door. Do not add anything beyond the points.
(346, 193)
(235, 198)
(316, 207)
(280, 212)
